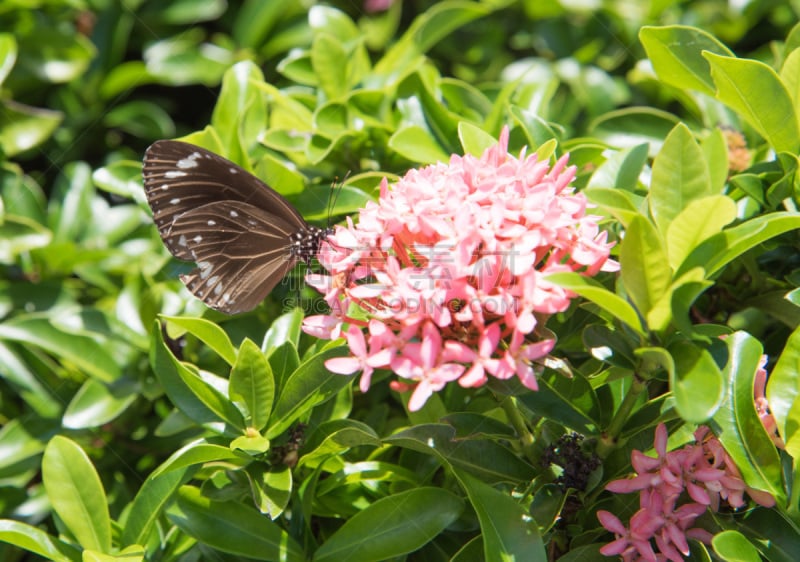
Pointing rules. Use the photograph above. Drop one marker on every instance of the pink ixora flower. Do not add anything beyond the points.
(675, 488)
(443, 278)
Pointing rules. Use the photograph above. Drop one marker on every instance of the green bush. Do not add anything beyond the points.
(139, 424)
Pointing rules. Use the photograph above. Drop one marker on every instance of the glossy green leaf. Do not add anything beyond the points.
(96, 403)
(8, 55)
(197, 453)
(70, 204)
(36, 541)
(252, 387)
(715, 149)
(123, 177)
(568, 402)
(508, 531)
(195, 397)
(328, 59)
(149, 503)
(191, 12)
(207, 332)
(621, 170)
(676, 54)
(697, 222)
(593, 291)
(630, 127)
(696, 382)
(76, 493)
(334, 437)
(392, 526)
(25, 127)
(416, 144)
(83, 352)
(783, 394)
(720, 249)
(338, 24)
(741, 84)
(285, 328)
(271, 488)
(733, 546)
(232, 527)
(680, 175)
(644, 267)
(240, 114)
(474, 140)
(308, 386)
(439, 440)
(741, 432)
(616, 202)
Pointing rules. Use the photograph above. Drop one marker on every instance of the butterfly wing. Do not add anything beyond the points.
(240, 251)
(210, 211)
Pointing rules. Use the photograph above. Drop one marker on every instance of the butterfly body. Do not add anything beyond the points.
(243, 236)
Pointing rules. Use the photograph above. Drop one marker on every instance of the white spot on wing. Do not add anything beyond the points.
(174, 201)
(189, 162)
(182, 241)
(233, 170)
(205, 269)
(212, 223)
(234, 214)
(197, 239)
(172, 174)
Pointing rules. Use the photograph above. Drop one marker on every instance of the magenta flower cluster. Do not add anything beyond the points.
(444, 278)
(675, 488)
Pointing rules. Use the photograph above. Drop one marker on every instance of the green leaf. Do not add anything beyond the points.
(197, 453)
(621, 170)
(271, 488)
(25, 127)
(740, 429)
(508, 532)
(593, 291)
(720, 249)
(676, 52)
(207, 332)
(190, 12)
(733, 546)
(632, 126)
(474, 140)
(35, 540)
(76, 493)
(680, 175)
(123, 177)
(416, 144)
(644, 267)
(285, 328)
(193, 395)
(328, 59)
(697, 222)
(392, 526)
(81, 351)
(8, 55)
(252, 387)
(696, 382)
(616, 202)
(310, 385)
(439, 440)
(232, 527)
(783, 394)
(741, 84)
(240, 114)
(96, 404)
(570, 402)
(334, 437)
(146, 508)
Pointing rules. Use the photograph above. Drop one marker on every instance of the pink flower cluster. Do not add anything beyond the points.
(703, 470)
(443, 279)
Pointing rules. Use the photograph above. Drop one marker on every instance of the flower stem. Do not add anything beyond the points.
(608, 440)
(509, 405)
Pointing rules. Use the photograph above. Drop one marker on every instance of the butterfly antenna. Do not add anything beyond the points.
(333, 197)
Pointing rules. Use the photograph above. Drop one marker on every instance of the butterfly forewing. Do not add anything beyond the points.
(243, 236)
